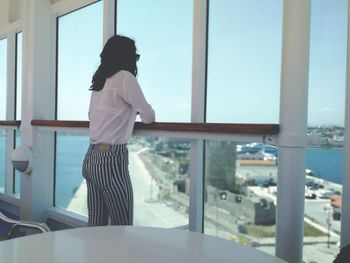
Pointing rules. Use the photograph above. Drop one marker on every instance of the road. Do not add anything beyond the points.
(314, 209)
(148, 211)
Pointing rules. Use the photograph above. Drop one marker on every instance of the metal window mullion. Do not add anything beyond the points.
(54, 32)
(10, 107)
(108, 19)
(115, 16)
(11, 75)
(345, 213)
(199, 63)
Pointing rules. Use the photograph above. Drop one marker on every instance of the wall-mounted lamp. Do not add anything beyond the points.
(22, 158)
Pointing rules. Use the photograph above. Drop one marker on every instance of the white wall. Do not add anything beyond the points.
(10, 16)
(3, 16)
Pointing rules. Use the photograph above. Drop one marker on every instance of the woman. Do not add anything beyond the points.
(116, 99)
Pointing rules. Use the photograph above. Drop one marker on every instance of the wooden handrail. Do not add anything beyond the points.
(64, 124)
(10, 123)
(176, 126)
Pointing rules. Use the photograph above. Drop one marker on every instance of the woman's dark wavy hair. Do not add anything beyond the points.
(119, 53)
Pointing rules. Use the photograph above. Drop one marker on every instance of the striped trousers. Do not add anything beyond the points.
(110, 194)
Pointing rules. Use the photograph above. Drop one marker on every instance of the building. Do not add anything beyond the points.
(336, 204)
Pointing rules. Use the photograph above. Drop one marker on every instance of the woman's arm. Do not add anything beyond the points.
(134, 96)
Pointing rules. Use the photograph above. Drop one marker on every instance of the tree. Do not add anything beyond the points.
(220, 164)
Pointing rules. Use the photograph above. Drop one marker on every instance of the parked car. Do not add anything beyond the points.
(310, 196)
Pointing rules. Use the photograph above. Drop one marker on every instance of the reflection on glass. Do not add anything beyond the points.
(159, 170)
(19, 76)
(79, 46)
(244, 61)
(326, 108)
(2, 158)
(165, 43)
(3, 78)
(240, 192)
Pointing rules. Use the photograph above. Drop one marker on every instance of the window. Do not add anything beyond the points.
(3, 88)
(3, 78)
(79, 46)
(159, 171)
(2, 158)
(164, 41)
(17, 174)
(244, 61)
(327, 78)
(70, 188)
(19, 39)
(240, 192)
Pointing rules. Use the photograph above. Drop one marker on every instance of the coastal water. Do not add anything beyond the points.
(71, 151)
(326, 163)
(2, 160)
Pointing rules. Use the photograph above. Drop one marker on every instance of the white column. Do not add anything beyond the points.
(292, 139)
(109, 15)
(38, 103)
(345, 214)
(198, 113)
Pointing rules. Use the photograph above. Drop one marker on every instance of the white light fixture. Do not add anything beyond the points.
(22, 158)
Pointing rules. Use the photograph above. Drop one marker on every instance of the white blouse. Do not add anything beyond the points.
(113, 110)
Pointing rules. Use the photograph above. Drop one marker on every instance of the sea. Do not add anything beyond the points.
(325, 163)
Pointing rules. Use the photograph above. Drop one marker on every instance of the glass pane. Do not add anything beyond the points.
(79, 46)
(327, 78)
(244, 61)
(17, 181)
(19, 76)
(165, 43)
(3, 78)
(158, 169)
(240, 192)
(2, 158)
(70, 187)
(19, 36)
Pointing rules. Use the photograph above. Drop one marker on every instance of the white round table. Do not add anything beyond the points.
(127, 244)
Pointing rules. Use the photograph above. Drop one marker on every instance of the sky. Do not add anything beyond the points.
(244, 59)
(19, 75)
(327, 62)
